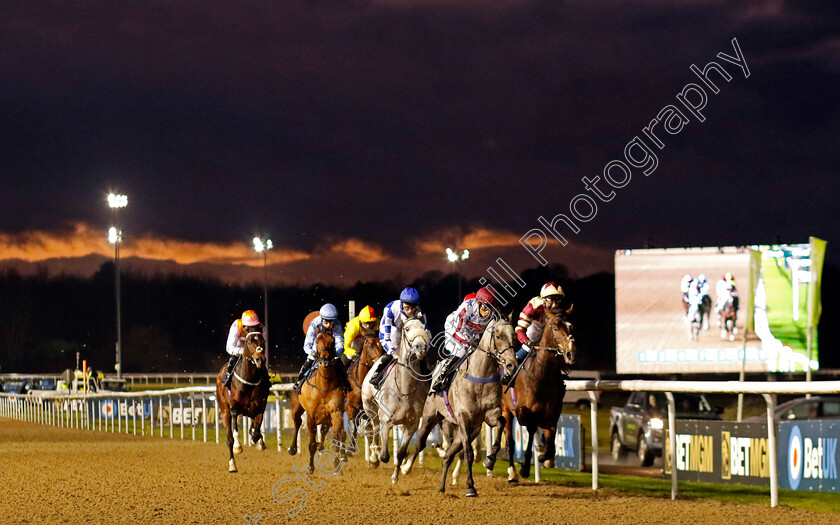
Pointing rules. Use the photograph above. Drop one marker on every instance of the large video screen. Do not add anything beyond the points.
(708, 309)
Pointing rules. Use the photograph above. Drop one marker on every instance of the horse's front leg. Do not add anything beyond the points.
(508, 428)
(454, 448)
(297, 416)
(227, 421)
(402, 452)
(525, 470)
(469, 455)
(339, 435)
(237, 446)
(495, 420)
(429, 422)
(547, 457)
(312, 427)
(256, 432)
(384, 452)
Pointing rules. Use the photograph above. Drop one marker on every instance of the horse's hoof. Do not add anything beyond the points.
(549, 463)
(489, 473)
(471, 493)
(488, 463)
(292, 451)
(232, 466)
(542, 457)
(261, 445)
(512, 475)
(524, 473)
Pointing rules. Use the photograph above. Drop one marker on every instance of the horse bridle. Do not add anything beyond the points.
(496, 354)
(251, 358)
(561, 350)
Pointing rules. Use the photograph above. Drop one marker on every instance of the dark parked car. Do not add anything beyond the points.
(818, 407)
(640, 424)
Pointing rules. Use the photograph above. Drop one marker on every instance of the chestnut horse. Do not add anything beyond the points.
(247, 395)
(371, 351)
(536, 395)
(322, 398)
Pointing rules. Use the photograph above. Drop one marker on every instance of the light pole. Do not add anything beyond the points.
(262, 247)
(115, 238)
(454, 257)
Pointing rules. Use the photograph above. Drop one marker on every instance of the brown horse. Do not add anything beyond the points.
(247, 395)
(728, 317)
(536, 396)
(322, 398)
(370, 352)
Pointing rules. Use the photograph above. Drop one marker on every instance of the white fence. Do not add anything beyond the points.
(83, 411)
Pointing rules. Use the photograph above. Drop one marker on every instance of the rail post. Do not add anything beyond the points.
(192, 414)
(204, 416)
(672, 439)
(770, 399)
(593, 423)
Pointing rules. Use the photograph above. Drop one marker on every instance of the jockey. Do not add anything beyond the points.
(464, 328)
(249, 322)
(685, 284)
(725, 291)
(531, 325)
(327, 321)
(698, 290)
(358, 329)
(394, 316)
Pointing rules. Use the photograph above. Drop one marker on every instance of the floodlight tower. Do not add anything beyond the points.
(262, 247)
(115, 202)
(454, 257)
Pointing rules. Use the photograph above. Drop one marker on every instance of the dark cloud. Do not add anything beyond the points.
(390, 120)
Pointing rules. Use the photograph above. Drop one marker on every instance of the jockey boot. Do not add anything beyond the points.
(303, 370)
(445, 372)
(379, 374)
(342, 374)
(228, 375)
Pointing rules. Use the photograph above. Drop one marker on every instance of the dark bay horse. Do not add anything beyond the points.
(247, 395)
(536, 395)
(322, 398)
(370, 352)
(728, 316)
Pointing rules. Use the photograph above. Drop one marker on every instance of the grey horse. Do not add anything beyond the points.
(400, 399)
(475, 397)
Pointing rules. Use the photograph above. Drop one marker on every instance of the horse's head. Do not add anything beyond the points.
(372, 350)
(558, 334)
(254, 350)
(415, 339)
(324, 347)
(499, 338)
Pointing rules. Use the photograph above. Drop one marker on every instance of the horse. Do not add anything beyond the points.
(475, 394)
(371, 351)
(400, 399)
(322, 398)
(728, 316)
(535, 396)
(247, 395)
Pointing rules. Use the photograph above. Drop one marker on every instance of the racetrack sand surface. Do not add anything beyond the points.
(59, 475)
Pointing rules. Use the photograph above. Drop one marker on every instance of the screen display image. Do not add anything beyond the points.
(693, 310)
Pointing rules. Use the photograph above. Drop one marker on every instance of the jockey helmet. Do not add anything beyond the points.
(328, 312)
(409, 296)
(550, 289)
(249, 318)
(728, 277)
(701, 278)
(367, 315)
(485, 296)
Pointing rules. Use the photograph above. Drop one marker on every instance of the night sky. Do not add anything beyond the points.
(366, 136)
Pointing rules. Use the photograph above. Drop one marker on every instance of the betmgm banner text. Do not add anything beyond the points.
(727, 452)
(775, 324)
